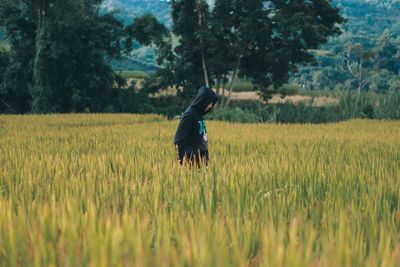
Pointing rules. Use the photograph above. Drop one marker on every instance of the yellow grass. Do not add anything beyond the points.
(105, 190)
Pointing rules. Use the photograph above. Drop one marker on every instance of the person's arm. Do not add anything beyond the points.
(183, 131)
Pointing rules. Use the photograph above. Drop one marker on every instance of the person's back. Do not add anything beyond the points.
(191, 140)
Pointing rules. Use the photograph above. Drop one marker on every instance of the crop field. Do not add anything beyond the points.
(105, 190)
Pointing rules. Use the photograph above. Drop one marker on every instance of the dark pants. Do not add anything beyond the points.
(196, 156)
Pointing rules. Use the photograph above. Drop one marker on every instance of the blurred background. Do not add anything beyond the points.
(269, 61)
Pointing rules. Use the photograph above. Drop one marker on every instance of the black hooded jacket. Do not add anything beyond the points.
(191, 135)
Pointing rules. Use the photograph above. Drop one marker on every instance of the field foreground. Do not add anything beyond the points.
(105, 190)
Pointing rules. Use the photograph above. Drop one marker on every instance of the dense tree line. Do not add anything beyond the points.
(59, 57)
(60, 51)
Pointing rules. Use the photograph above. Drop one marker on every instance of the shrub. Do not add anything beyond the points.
(234, 115)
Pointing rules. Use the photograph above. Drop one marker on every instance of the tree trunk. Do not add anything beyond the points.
(218, 86)
(40, 91)
(235, 71)
(203, 61)
(223, 86)
(203, 58)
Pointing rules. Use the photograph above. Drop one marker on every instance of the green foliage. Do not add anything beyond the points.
(187, 66)
(262, 43)
(131, 101)
(162, 105)
(389, 107)
(18, 25)
(354, 105)
(222, 43)
(288, 89)
(350, 106)
(41, 91)
(62, 56)
(293, 31)
(234, 114)
(4, 62)
(279, 113)
(302, 113)
(147, 30)
(365, 57)
(60, 61)
(243, 86)
(370, 106)
(133, 74)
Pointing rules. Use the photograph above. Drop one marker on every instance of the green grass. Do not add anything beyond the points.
(242, 86)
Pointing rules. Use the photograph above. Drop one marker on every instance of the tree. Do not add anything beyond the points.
(381, 81)
(296, 27)
(148, 31)
(190, 23)
(41, 87)
(387, 53)
(221, 45)
(356, 61)
(18, 20)
(252, 34)
(4, 62)
(260, 40)
(62, 57)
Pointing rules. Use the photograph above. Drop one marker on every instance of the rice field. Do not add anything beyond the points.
(105, 190)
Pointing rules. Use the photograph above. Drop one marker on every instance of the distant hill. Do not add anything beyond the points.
(129, 9)
(381, 3)
(369, 16)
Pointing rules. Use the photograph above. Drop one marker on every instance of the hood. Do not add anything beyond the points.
(203, 98)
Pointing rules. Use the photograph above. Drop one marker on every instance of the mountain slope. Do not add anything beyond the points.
(129, 9)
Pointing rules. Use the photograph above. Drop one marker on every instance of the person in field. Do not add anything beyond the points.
(191, 142)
